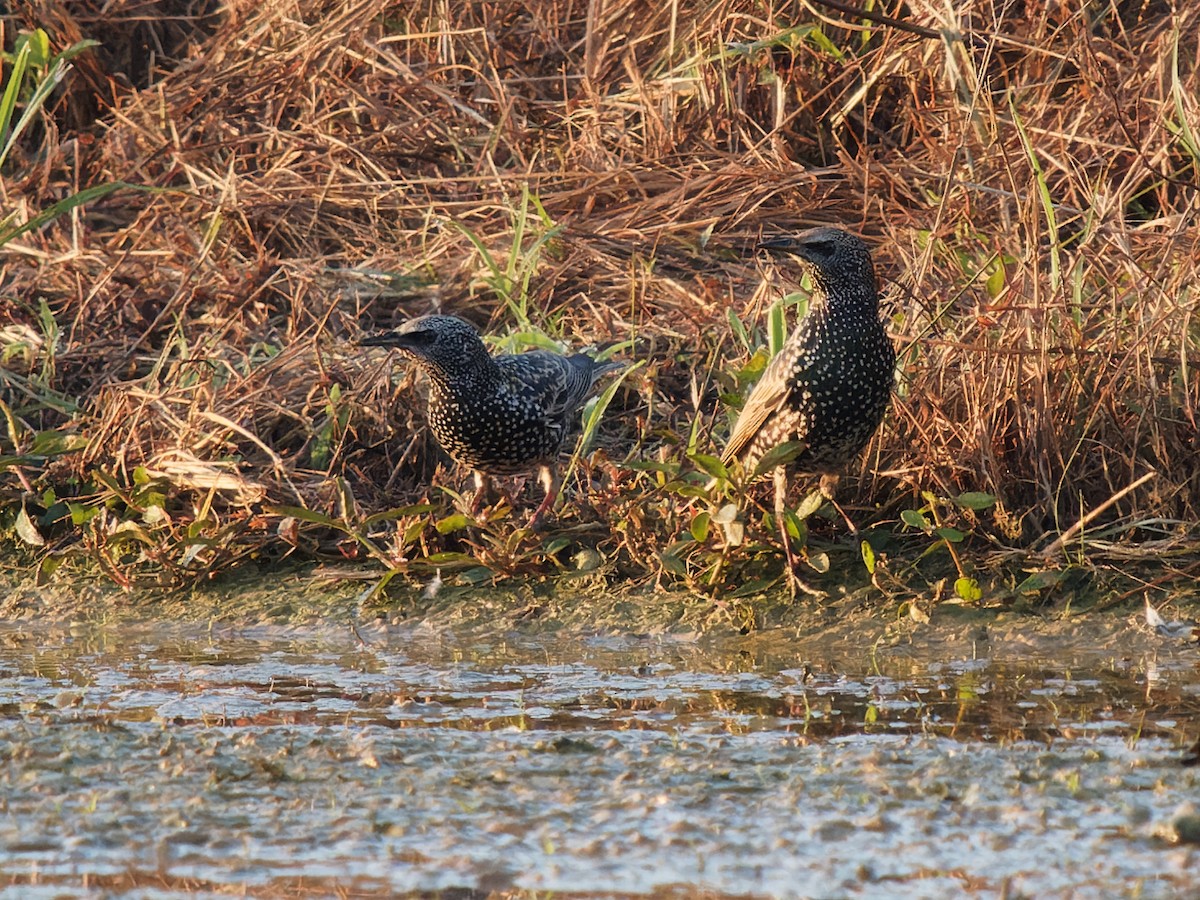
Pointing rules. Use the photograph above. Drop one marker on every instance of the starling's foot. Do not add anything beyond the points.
(828, 488)
(550, 483)
(797, 586)
(483, 491)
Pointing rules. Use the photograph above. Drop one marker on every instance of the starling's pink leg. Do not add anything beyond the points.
(550, 483)
(483, 486)
(795, 582)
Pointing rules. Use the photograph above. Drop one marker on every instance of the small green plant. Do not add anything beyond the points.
(932, 519)
(510, 277)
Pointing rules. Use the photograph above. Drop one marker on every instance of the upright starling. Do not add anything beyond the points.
(828, 386)
(498, 415)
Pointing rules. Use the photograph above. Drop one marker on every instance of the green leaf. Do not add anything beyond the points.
(968, 589)
(868, 555)
(449, 557)
(810, 504)
(672, 563)
(553, 546)
(699, 527)
(685, 489)
(39, 47)
(975, 500)
(653, 465)
(1039, 581)
(12, 88)
(413, 531)
(738, 329)
(81, 514)
(75, 49)
(87, 195)
(450, 524)
(914, 519)
(711, 465)
(953, 535)
(777, 327)
(399, 512)
(48, 566)
(995, 282)
(778, 456)
(306, 515)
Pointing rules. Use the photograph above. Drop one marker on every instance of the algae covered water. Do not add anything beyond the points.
(169, 760)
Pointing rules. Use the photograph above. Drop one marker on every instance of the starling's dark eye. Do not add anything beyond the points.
(422, 337)
(825, 248)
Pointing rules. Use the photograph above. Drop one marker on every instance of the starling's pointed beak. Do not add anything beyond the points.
(385, 339)
(782, 244)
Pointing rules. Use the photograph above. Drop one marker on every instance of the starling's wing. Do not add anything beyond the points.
(557, 385)
(770, 394)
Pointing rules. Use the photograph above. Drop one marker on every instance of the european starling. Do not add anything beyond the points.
(498, 415)
(828, 386)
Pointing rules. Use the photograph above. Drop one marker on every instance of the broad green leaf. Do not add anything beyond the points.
(81, 514)
(699, 527)
(48, 566)
(914, 519)
(1039, 581)
(452, 523)
(477, 575)
(778, 456)
(711, 465)
(810, 504)
(975, 500)
(968, 589)
(868, 555)
(554, 545)
(413, 531)
(953, 535)
(672, 563)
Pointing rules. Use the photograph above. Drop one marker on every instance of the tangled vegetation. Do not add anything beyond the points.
(204, 209)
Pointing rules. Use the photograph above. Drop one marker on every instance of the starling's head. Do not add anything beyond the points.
(838, 260)
(442, 343)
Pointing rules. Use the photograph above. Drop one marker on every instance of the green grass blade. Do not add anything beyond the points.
(76, 200)
(1043, 195)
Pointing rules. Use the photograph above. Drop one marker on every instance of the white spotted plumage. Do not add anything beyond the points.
(830, 384)
(502, 415)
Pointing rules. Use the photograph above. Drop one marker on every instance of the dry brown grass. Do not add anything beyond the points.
(326, 157)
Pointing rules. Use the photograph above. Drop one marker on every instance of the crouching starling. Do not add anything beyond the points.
(498, 415)
(828, 386)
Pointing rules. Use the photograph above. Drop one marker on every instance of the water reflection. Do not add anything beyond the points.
(430, 761)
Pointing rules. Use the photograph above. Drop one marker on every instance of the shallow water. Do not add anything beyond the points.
(159, 761)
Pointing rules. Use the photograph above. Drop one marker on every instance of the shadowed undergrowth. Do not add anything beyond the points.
(181, 389)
